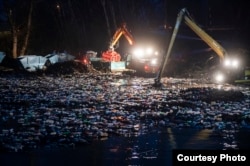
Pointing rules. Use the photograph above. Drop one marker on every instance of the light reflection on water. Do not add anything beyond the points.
(154, 148)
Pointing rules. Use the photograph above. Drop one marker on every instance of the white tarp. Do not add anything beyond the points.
(33, 62)
(2, 56)
(59, 57)
(63, 57)
(53, 58)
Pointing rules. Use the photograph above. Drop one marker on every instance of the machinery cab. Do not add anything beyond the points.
(144, 59)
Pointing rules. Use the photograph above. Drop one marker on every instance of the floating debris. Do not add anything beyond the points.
(70, 109)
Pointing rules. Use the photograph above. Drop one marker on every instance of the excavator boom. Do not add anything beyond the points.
(122, 31)
(183, 14)
(221, 52)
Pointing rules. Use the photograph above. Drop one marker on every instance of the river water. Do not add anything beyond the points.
(149, 148)
(154, 148)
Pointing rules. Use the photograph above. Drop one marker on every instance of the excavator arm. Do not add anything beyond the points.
(221, 52)
(183, 14)
(121, 31)
(111, 54)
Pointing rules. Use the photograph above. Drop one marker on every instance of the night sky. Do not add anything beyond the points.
(77, 26)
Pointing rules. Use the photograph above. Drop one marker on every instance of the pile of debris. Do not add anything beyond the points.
(68, 67)
(36, 63)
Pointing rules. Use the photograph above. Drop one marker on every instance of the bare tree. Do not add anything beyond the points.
(27, 36)
(18, 32)
(14, 31)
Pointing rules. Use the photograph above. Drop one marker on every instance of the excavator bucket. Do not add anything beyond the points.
(111, 56)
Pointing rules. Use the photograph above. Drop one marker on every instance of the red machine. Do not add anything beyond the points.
(111, 54)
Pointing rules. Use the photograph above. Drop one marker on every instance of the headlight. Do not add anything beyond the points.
(235, 63)
(227, 62)
(149, 51)
(231, 63)
(219, 77)
(139, 52)
(153, 61)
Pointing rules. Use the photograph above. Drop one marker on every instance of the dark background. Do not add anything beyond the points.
(77, 26)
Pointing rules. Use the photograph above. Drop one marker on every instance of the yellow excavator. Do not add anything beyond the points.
(226, 61)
